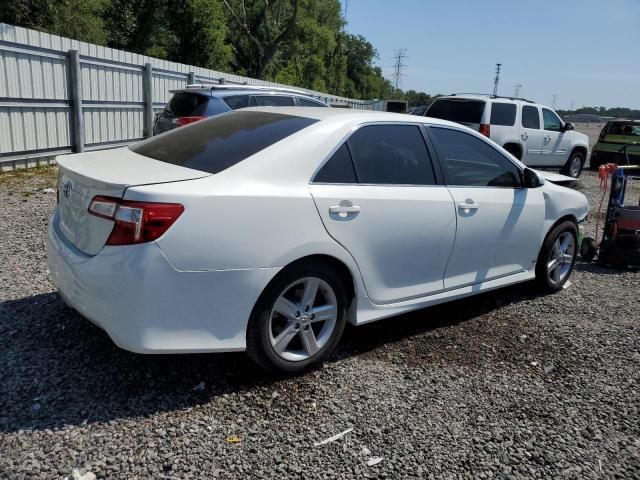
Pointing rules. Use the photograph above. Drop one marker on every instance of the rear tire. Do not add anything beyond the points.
(557, 257)
(575, 164)
(285, 332)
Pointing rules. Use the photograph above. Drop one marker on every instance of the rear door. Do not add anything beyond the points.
(556, 143)
(379, 198)
(531, 136)
(498, 221)
(461, 110)
(503, 123)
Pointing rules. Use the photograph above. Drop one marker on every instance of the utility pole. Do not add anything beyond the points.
(516, 90)
(497, 80)
(553, 101)
(399, 56)
(572, 105)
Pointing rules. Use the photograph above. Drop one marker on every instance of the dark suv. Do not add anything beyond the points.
(194, 103)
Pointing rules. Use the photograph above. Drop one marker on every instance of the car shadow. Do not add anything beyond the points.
(58, 369)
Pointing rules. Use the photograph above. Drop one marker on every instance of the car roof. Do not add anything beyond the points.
(485, 97)
(352, 116)
(228, 90)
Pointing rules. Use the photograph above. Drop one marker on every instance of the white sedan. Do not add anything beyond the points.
(266, 230)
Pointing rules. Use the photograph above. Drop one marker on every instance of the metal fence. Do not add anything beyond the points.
(59, 95)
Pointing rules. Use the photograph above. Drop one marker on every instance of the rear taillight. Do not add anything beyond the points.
(485, 130)
(135, 222)
(182, 121)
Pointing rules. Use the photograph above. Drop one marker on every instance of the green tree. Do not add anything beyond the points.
(78, 19)
(258, 29)
(199, 32)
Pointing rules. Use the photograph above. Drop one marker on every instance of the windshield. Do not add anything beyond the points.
(626, 129)
(218, 143)
(457, 110)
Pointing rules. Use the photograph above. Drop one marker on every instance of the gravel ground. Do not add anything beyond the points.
(508, 384)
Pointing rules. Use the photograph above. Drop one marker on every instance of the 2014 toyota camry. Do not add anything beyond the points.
(266, 230)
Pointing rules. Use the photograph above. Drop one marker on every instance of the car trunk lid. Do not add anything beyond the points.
(106, 173)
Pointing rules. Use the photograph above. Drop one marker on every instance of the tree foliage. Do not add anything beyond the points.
(296, 42)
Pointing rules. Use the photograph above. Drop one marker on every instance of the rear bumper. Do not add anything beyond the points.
(147, 306)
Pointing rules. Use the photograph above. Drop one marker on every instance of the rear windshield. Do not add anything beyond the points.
(458, 110)
(220, 142)
(184, 104)
(627, 129)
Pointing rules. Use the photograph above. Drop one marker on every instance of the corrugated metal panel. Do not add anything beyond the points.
(35, 113)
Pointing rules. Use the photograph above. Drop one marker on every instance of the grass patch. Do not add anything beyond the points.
(38, 177)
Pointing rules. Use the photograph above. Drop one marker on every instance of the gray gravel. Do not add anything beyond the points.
(505, 385)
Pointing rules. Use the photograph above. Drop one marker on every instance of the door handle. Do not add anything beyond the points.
(468, 206)
(343, 209)
(524, 136)
(547, 137)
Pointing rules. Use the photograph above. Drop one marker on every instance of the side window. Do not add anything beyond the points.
(470, 161)
(391, 154)
(273, 101)
(338, 169)
(530, 117)
(503, 114)
(237, 101)
(551, 120)
(305, 102)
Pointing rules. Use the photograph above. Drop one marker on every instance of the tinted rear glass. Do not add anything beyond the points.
(184, 104)
(503, 114)
(461, 111)
(237, 101)
(273, 101)
(530, 117)
(220, 142)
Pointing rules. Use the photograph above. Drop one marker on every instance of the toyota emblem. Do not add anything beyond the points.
(66, 188)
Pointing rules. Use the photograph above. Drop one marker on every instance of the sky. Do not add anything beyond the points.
(587, 52)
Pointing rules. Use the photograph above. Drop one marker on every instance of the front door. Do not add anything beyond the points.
(498, 221)
(378, 197)
(531, 136)
(556, 142)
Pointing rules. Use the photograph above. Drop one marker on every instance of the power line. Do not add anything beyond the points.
(497, 80)
(516, 90)
(399, 56)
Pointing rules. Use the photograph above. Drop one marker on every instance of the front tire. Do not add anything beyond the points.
(557, 257)
(299, 318)
(575, 164)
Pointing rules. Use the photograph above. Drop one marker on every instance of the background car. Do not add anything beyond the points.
(613, 136)
(531, 132)
(267, 229)
(197, 102)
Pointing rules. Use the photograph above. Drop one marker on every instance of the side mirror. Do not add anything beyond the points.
(568, 126)
(532, 179)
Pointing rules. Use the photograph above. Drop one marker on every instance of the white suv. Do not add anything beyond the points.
(529, 131)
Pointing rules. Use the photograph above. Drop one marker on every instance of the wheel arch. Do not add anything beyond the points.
(344, 271)
(581, 149)
(516, 146)
(568, 217)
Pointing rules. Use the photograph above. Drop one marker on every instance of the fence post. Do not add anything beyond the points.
(75, 87)
(147, 92)
(191, 78)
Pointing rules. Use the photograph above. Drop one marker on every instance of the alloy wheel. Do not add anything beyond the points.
(574, 168)
(303, 319)
(561, 258)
